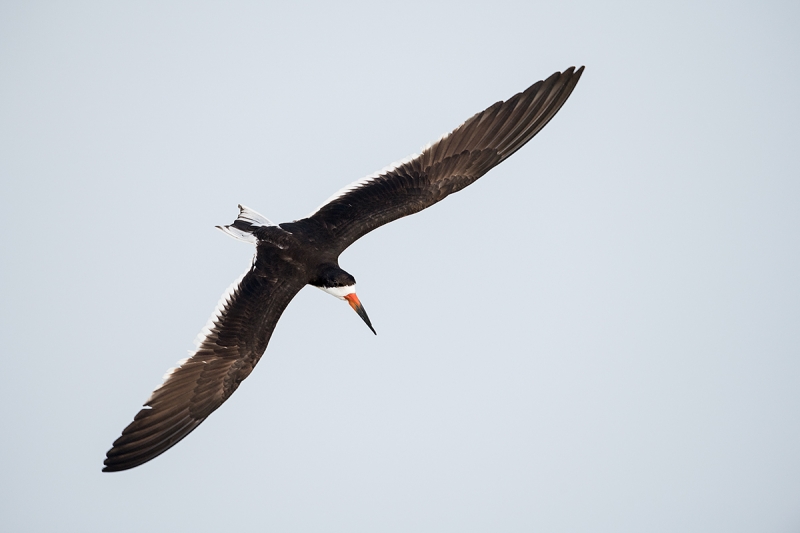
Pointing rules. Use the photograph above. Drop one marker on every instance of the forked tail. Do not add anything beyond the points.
(245, 224)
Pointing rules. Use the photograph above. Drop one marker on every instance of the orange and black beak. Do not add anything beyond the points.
(352, 299)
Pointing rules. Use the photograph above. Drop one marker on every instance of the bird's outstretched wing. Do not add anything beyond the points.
(446, 166)
(229, 347)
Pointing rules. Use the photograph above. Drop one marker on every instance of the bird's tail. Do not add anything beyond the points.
(245, 224)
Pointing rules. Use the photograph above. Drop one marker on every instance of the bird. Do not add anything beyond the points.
(291, 255)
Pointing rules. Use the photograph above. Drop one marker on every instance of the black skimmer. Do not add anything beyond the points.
(292, 255)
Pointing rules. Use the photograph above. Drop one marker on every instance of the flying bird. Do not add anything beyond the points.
(291, 255)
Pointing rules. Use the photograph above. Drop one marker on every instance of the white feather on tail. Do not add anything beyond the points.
(244, 225)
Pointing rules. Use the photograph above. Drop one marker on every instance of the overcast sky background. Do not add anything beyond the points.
(602, 334)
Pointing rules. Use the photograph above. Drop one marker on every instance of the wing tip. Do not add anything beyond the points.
(575, 74)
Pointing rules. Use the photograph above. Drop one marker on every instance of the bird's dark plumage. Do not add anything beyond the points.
(446, 166)
(235, 339)
(292, 255)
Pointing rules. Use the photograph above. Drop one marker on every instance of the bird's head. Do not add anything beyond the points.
(342, 285)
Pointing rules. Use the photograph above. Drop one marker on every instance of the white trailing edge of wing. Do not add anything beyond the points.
(364, 181)
(382, 172)
(207, 330)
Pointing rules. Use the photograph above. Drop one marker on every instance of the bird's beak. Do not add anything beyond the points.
(352, 299)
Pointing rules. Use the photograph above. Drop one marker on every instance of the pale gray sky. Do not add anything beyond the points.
(633, 366)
